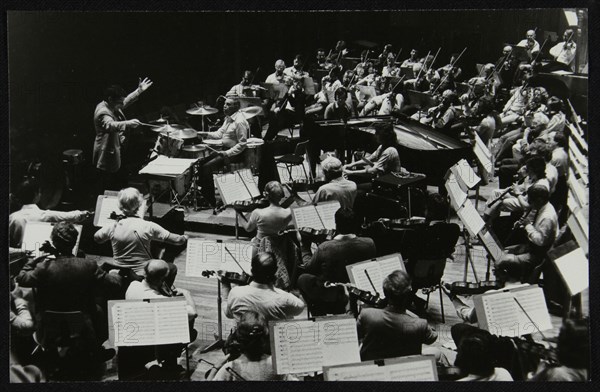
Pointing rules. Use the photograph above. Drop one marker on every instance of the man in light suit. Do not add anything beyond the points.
(110, 125)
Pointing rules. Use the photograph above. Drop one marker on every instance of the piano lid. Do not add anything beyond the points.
(416, 136)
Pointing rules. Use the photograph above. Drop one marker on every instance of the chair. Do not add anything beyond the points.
(427, 275)
(295, 159)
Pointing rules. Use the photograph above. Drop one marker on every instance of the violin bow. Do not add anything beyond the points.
(446, 76)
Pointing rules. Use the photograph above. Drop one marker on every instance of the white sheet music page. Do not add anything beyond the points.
(327, 212)
(483, 155)
(167, 166)
(417, 368)
(242, 251)
(339, 340)
(533, 301)
(306, 216)
(457, 195)
(148, 323)
(470, 218)
(356, 372)
(36, 233)
(358, 277)
(574, 269)
(490, 244)
(202, 255)
(295, 347)
(231, 187)
(465, 175)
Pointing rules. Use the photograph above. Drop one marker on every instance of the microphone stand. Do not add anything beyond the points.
(219, 342)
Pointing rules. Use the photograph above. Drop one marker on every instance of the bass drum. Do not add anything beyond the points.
(253, 154)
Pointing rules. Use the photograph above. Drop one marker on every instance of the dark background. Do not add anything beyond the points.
(60, 62)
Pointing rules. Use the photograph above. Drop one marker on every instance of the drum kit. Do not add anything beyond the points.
(178, 141)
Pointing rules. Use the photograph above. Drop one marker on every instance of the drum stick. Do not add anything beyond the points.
(212, 149)
(151, 125)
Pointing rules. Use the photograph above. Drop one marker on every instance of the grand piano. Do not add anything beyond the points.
(422, 149)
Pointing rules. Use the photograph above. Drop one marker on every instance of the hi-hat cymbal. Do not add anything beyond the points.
(201, 111)
(251, 111)
(186, 133)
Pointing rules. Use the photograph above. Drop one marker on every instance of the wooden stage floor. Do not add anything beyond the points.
(204, 291)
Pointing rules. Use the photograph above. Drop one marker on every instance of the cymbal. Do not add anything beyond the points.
(251, 111)
(169, 128)
(159, 121)
(202, 111)
(186, 133)
(195, 148)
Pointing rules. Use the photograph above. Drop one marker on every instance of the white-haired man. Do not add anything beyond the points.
(131, 236)
(338, 187)
(277, 76)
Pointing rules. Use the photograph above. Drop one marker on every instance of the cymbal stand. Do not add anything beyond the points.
(193, 190)
(468, 257)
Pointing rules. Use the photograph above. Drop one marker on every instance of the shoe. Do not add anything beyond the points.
(105, 354)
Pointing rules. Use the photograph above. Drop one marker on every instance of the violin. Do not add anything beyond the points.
(249, 205)
(474, 288)
(314, 235)
(242, 279)
(364, 296)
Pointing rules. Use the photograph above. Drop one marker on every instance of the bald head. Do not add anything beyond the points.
(156, 271)
(279, 65)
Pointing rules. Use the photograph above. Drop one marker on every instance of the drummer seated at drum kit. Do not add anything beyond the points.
(233, 135)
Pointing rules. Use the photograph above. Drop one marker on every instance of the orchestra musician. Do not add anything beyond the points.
(290, 110)
(338, 187)
(233, 133)
(272, 219)
(412, 60)
(328, 263)
(390, 69)
(443, 115)
(564, 51)
(507, 67)
(245, 87)
(131, 236)
(296, 70)
(384, 104)
(261, 295)
(451, 70)
(532, 46)
(383, 56)
(111, 125)
(278, 76)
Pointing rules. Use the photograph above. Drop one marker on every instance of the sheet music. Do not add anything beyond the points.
(36, 233)
(105, 205)
(167, 166)
(579, 233)
(148, 322)
(492, 246)
(483, 155)
(411, 368)
(300, 346)
(467, 178)
(297, 173)
(579, 191)
(470, 218)
(377, 269)
(456, 193)
(417, 368)
(321, 216)
(210, 255)
(237, 186)
(356, 372)
(574, 269)
(499, 313)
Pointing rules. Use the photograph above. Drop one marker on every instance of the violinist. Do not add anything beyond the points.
(131, 236)
(532, 46)
(509, 276)
(290, 110)
(412, 60)
(245, 88)
(391, 332)
(443, 115)
(573, 355)
(272, 219)
(420, 82)
(382, 59)
(451, 68)
(564, 52)
(475, 358)
(296, 70)
(261, 295)
(507, 66)
(278, 76)
(517, 103)
(390, 69)
(371, 78)
(384, 104)
(321, 58)
(328, 263)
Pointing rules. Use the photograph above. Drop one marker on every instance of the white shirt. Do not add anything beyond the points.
(562, 55)
(141, 290)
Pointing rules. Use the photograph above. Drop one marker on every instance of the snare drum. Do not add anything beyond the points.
(73, 157)
(195, 151)
(216, 144)
(168, 145)
(253, 153)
